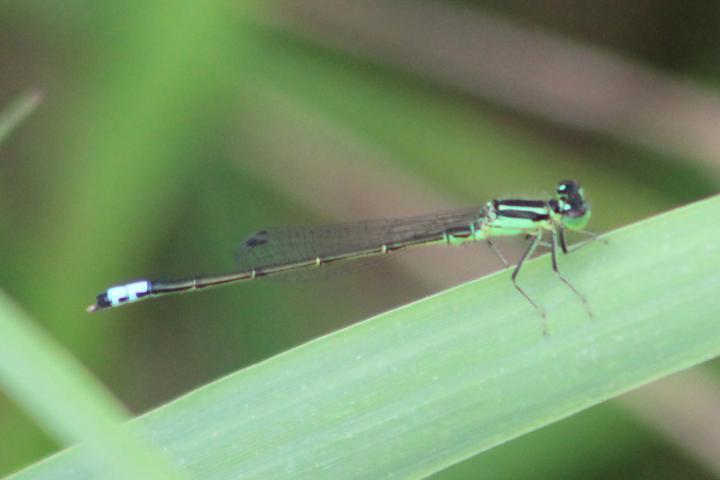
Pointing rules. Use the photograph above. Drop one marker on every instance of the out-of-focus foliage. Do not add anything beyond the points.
(170, 130)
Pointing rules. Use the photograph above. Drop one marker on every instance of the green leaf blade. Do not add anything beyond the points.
(67, 402)
(419, 388)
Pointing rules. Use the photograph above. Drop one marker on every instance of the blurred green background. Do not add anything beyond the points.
(169, 131)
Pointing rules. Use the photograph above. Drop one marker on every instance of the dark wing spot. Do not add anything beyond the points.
(258, 239)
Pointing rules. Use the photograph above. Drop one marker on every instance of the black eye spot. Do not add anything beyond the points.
(258, 239)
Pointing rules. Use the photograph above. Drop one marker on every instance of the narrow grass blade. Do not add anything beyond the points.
(16, 112)
(68, 403)
(419, 388)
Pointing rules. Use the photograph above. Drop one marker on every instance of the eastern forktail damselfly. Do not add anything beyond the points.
(281, 251)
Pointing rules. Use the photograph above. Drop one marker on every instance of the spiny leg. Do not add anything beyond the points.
(497, 252)
(525, 256)
(593, 236)
(541, 242)
(547, 245)
(563, 241)
(577, 246)
(553, 249)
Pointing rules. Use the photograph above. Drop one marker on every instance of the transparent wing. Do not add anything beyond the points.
(282, 246)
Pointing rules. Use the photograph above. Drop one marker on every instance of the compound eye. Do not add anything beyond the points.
(568, 187)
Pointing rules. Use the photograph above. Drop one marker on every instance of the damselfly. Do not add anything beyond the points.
(282, 251)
